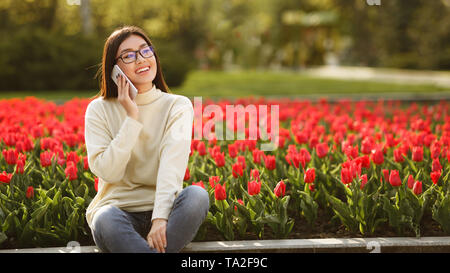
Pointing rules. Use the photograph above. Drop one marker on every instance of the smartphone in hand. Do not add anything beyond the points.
(114, 75)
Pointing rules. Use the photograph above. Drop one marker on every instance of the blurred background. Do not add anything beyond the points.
(53, 48)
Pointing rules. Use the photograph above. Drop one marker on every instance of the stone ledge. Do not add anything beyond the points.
(331, 245)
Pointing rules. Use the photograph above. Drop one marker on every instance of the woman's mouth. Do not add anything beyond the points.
(142, 70)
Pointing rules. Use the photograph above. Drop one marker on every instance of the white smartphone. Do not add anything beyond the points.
(115, 73)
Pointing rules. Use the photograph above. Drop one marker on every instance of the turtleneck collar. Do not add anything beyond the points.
(148, 97)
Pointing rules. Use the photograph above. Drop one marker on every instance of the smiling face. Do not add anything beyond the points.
(142, 71)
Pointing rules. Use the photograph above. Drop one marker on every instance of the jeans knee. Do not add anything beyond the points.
(103, 222)
(198, 198)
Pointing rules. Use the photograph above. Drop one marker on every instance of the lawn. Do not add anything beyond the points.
(257, 83)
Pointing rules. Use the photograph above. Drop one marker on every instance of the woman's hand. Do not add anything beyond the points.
(123, 97)
(156, 238)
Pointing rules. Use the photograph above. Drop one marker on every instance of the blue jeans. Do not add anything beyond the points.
(116, 230)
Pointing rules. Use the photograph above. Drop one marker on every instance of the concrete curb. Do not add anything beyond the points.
(331, 245)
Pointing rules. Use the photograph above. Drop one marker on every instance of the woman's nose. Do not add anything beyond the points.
(139, 59)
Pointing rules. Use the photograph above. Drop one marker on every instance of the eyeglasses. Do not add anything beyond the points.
(131, 56)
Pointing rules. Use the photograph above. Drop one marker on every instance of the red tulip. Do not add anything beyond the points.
(280, 189)
(59, 154)
(72, 156)
(10, 156)
(220, 159)
(5, 177)
(254, 173)
(364, 161)
(241, 160)
(253, 187)
(394, 178)
(363, 181)
(289, 159)
(232, 150)
(199, 184)
(386, 175)
(96, 184)
(390, 141)
(310, 175)
(251, 144)
(296, 159)
(281, 142)
(351, 152)
(215, 150)
(37, 131)
(45, 143)
(257, 154)
(398, 155)
(20, 167)
(301, 137)
(270, 162)
(46, 158)
(219, 192)
(322, 149)
(187, 175)
(304, 153)
(346, 176)
(213, 180)
(212, 140)
(237, 170)
(411, 181)
(313, 141)
(417, 188)
(378, 157)
(435, 176)
(367, 145)
(30, 192)
(417, 153)
(201, 148)
(71, 171)
(436, 165)
(85, 163)
(435, 150)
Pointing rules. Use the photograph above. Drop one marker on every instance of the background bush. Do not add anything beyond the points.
(34, 59)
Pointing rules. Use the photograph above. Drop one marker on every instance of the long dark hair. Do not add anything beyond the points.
(108, 89)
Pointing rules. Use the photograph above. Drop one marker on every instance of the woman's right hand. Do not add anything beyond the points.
(123, 97)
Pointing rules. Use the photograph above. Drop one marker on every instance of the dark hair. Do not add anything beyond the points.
(108, 89)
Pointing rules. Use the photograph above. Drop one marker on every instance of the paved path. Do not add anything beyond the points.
(439, 78)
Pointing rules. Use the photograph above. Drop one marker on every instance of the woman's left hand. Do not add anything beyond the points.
(156, 238)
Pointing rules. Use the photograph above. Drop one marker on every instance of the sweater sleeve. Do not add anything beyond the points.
(108, 155)
(174, 157)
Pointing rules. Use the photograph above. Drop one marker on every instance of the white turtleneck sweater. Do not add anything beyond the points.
(140, 163)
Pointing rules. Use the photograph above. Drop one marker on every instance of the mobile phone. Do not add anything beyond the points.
(115, 73)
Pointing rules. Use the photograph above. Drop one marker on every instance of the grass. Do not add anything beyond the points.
(256, 83)
(237, 84)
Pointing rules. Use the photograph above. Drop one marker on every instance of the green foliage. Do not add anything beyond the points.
(52, 45)
(35, 59)
(54, 216)
(308, 207)
(441, 210)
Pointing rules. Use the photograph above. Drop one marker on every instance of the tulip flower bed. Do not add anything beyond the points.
(340, 169)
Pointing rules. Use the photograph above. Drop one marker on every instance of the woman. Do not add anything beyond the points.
(139, 149)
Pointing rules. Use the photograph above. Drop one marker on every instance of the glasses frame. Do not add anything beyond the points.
(136, 52)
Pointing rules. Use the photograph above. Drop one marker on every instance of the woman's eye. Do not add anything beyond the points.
(146, 51)
(130, 55)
